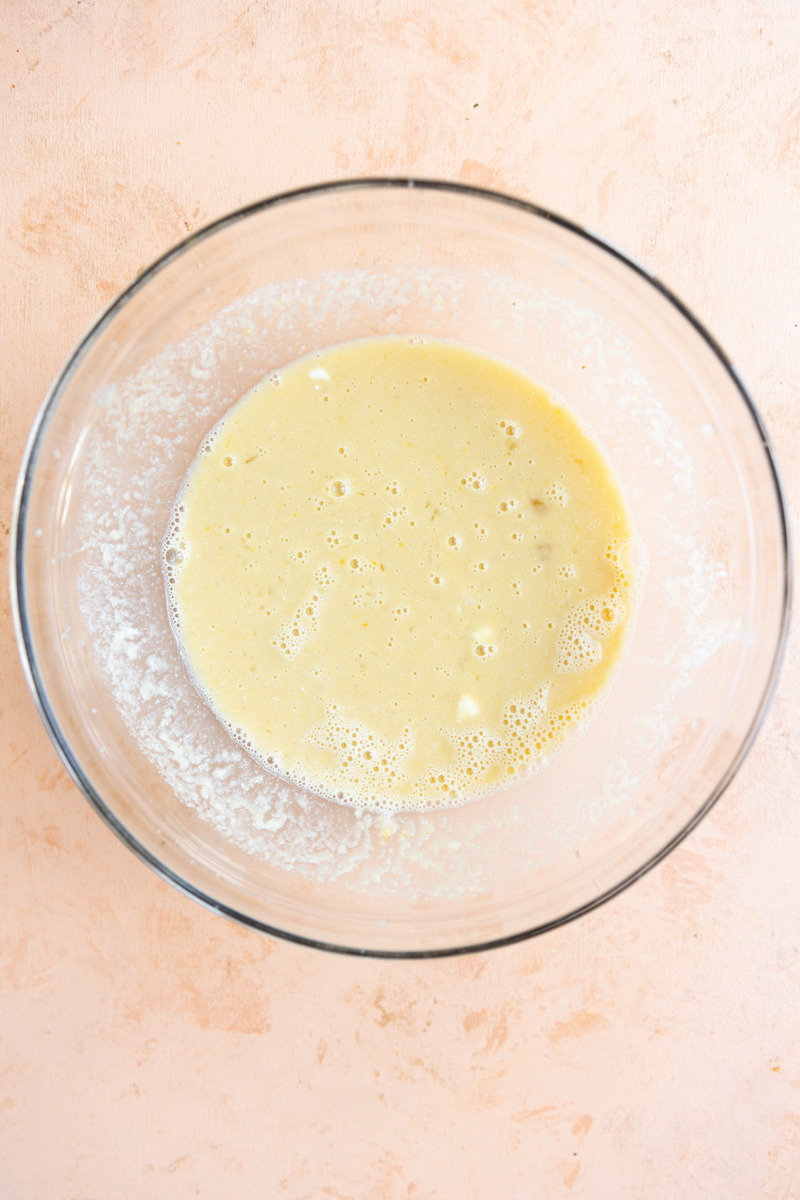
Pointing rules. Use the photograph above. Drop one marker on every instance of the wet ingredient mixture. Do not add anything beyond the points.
(400, 573)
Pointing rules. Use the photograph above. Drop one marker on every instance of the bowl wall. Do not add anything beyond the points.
(249, 295)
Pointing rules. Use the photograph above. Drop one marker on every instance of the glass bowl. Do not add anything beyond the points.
(250, 294)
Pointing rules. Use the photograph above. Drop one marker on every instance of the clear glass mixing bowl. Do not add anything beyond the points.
(325, 265)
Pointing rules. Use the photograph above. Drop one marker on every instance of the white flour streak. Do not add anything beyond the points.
(143, 439)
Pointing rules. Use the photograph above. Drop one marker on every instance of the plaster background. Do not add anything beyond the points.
(148, 1048)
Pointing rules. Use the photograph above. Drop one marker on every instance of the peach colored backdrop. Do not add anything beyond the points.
(150, 1049)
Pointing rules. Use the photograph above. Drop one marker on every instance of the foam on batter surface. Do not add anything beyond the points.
(400, 573)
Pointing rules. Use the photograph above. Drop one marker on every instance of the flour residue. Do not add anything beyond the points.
(147, 431)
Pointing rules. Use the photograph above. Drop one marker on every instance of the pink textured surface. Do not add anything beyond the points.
(150, 1049)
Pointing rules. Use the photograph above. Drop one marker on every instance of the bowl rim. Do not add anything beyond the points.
(27, 474)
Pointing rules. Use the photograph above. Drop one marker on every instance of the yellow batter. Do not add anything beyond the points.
(396, 572)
